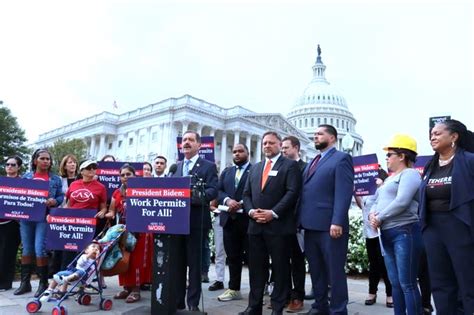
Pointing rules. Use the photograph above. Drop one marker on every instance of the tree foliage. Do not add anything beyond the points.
(12, 137)
(63, 147)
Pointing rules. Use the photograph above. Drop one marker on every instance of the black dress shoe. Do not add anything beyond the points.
(251, 311)
(194, 308)
(217, 285)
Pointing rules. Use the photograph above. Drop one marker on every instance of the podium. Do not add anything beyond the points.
(169, 224)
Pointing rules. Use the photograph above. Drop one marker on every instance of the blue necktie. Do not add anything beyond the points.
(186, 167)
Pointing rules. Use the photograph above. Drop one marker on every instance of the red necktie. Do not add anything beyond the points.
(312, 168)
(266, 171)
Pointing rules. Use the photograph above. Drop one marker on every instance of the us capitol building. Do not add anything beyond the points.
(143, 133)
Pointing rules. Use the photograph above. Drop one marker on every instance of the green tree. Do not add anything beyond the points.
(12, 137)
(63, 147)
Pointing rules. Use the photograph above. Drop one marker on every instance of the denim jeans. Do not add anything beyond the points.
(33, 238)
(403, 246)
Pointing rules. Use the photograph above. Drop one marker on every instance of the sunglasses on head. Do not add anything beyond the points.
(10, 164)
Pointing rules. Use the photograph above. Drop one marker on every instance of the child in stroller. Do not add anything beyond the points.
(65, 277)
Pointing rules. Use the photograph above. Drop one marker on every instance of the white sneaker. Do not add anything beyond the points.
(46, 295)
(230, 295)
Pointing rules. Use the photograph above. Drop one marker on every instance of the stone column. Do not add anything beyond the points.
(223, 150)
(102, 146)
(258, 155)
(92, 148)
(248, 142)
(185, 127)
(236, 136)
(212, 132)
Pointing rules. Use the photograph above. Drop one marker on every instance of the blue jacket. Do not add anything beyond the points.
(462, 190)
(326, 195)
(55, 187)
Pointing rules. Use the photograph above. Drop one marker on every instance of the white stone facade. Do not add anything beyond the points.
(146, 132)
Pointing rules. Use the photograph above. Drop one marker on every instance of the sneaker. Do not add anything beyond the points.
(271, 285)
(230, 295)
(46, 295)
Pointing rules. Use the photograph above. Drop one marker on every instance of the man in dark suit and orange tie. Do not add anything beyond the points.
(323, 208)
(270, 195)
(190, 245)
(234, 221)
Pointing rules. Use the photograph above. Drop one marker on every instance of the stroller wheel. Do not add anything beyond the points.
(84, 299)
(33, 306)
(106, 304)
(59, 310)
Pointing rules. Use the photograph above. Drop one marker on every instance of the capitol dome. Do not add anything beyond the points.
(321, 103)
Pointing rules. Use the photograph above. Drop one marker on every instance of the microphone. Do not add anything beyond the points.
(173, 169)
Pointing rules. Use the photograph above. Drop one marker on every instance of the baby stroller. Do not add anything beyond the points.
(77, 287)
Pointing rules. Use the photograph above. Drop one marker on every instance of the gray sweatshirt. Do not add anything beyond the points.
(397, 199)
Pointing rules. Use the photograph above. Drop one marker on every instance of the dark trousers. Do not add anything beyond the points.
(189, 248)
(298, 270)
(9, 241)
(327, 259)
(450, 250)
(377, 268)
(261, 246)
(206, 253)
(424, 281)
(236, 245)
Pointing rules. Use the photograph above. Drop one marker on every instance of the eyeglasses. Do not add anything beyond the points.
(10, 164)
(91, 167)
(389, 154)
(126, 174)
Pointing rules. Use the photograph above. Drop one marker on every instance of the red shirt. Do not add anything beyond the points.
(41, 176)
(86, 195)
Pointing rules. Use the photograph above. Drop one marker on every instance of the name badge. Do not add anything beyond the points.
(273, 173)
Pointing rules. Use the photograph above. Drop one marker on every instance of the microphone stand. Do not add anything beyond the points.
(198, 187)
(166, 252)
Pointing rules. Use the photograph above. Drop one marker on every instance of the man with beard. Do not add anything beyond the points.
(189, 245)
(323, 208)
(270, 195)
(291, 149)
(234, 221)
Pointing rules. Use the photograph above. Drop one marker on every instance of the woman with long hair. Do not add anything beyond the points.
(447, 217)
(139, 270)
(9, 233)
(33, 234)
(395, 213)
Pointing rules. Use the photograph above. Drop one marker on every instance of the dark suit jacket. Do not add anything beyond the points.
(326, 195)
(208, 172)
(227, 189)
(462, 190)
(279, 194)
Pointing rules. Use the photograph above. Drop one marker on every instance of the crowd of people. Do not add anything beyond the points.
(279, 213)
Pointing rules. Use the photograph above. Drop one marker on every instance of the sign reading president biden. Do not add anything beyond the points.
(23, 199)
(158, 205)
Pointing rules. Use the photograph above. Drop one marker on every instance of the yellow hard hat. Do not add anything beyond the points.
(400, 141)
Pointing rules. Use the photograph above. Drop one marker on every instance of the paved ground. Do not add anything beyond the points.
(13, 305)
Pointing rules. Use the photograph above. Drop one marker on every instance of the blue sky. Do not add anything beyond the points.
(396, 63)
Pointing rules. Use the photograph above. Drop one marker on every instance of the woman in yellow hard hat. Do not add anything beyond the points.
(395, 213)
(447, 217)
